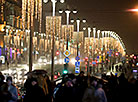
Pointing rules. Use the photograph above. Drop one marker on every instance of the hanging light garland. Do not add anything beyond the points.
(29, 14)
(53, 26)
(24, 3)
(40, 15)
(32, 12)
(2, 10)
(36, 9)
(31, 7)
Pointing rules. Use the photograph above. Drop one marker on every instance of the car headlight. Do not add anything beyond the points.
(45, 60)
(40, 60)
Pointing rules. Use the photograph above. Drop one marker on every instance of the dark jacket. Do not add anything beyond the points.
(36, 94)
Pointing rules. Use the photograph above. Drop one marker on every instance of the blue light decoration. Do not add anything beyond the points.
(6, 52)
(93, 62)
(11, 53)
(107, 52)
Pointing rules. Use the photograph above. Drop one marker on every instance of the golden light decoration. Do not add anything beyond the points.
(36, 9)
(24, 3)
(31, 7)
(21, 23)
(53, 22)
(67, 29)
(53, 26)
(41, 44)
(40, 15)
(46, 44)
(35, 41)
(32, 12)
(78, 37)
(18, 18)
(29, 14)
(16, 41)
(2, 10)
(6, 39)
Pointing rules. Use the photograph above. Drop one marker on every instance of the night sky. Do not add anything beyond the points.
(111, 15)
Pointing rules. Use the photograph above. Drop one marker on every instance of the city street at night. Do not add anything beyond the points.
(68, 50)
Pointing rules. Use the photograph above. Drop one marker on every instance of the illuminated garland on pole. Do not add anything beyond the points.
(23, 13)
(36, 9)
(40, 15)
(50, 23)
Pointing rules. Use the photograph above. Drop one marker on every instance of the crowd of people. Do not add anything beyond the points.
(8, 91)
(72, 88)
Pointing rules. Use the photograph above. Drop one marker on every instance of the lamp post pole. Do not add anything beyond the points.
(53, 41)
(53, 35)
(88, 65)
(67, 14)
(78, 28)
(30, 44)
(94, 32)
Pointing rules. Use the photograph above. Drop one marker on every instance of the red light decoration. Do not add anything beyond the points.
(135, 57)
(116, 54)
(57, 53)
(86, 63)
(55, 76)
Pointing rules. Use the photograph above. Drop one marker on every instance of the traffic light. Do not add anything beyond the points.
(135, 57)
(65, 71)
(57, 53)
(116, 53)
(55, 76)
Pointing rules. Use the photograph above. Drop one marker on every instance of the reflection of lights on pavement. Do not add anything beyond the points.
(72, 60)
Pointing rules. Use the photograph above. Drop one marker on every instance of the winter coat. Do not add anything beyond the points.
(36, 94)
(100, 95)
(89, 95)
(13, 90)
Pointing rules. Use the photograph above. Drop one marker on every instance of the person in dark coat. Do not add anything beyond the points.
(12, 89)
(82, 85)
(100, 94)
(5, 95)
(36, 93)
(27, 83)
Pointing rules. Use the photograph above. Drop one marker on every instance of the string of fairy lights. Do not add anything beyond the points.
(98, 43)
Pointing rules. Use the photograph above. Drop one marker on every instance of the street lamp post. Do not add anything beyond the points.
(88, 65)
(53, 37)
(102, 50)
(67, 21)
(78, 29)
(98, 36)
(93, 55)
